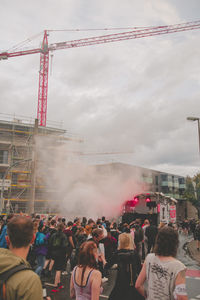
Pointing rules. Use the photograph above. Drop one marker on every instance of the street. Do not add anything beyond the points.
(192, 278)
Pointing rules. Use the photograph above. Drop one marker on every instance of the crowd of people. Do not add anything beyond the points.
(88, 249)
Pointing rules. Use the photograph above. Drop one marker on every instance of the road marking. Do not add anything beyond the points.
(103, 296)
(198, 296)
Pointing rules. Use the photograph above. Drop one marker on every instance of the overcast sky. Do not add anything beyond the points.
(131, 96)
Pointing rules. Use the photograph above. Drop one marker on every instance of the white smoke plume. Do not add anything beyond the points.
(75, 188)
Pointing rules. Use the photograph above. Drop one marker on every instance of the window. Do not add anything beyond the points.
(3, 156)
(181, 180)
(156, 179)
(164, 177)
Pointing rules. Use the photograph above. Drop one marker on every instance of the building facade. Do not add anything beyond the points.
(22, 188)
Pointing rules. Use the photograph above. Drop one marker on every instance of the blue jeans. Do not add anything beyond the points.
(40, 264)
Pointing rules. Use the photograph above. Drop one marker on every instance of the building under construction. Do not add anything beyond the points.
(22, 189)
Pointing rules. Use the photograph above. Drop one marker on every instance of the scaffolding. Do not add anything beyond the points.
(21, 189)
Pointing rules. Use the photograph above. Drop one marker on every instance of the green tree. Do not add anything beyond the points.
(192, 189)
(196, 180)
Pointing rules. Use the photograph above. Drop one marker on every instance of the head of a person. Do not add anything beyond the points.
(91, 222)
(114, 226)
(103, 219)
(166, 242)
(60, 227)
(97, 234)
(88, 255)
(146, 222)
(41, 226)
(84, 220)
(53, 223)
(126, 241)
(69, 224)
(20, 231)
(77, 221)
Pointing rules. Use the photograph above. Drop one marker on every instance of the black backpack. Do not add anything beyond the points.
(59, 240)
(6, 275)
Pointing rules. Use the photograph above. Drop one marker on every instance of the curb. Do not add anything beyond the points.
(193, 252)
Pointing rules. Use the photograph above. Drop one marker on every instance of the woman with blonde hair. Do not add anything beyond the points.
(129, 266)
(85, 281)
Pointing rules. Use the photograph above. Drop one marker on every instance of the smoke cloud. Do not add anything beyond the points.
(75, 188)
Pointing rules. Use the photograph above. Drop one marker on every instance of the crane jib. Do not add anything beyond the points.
(44, 52)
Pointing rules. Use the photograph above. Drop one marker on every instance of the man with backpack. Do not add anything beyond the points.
(58, 243)
(22, 283)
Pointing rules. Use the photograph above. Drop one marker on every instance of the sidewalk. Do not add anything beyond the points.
(192, 248)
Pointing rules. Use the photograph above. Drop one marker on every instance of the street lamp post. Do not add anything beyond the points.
(198, 122)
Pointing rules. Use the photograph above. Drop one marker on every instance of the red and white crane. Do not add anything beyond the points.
(46, 48)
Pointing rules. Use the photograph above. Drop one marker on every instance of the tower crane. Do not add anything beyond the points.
(46, 48)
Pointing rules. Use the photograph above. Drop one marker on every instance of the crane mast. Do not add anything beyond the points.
(44, 53)
(43, 82)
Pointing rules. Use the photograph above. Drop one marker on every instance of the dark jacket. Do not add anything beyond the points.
(129, 266)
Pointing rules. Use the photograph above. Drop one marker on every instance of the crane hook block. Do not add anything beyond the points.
(3, 55)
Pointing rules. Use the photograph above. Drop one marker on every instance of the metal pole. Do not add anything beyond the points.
(31, 206)
(199, 133)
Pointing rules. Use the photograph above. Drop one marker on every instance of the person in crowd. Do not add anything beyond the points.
(114, 230)
(81, 237)
(103, 221)
(129, 266)
(151, 233)
(110, 245)
(101, 226)
(49, 261)
(138, 238)
(3, 242)
(165, 275)
(76, 225)
(2, 223)
(31, 258)
(185, 226)
(25, 284)
(197, 235)
(84, 222)
(125, 228)
(71, 244)
(89, 227)
(98, 238)
(85, 281)
(144, 227)
(41, 247)
(192, 225)
(63, 220)
(58, 244)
